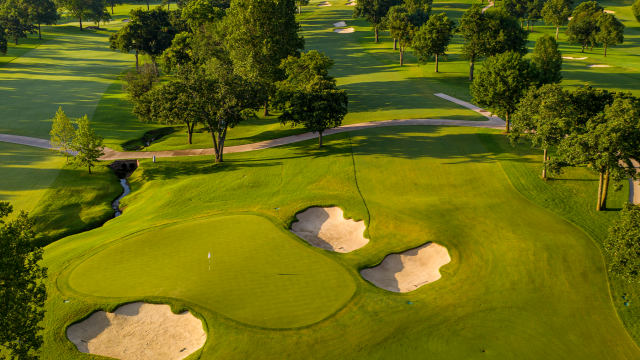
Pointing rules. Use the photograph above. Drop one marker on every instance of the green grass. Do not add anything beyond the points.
(27, 172)
(519, 285)
(76, 201)
(265, 280)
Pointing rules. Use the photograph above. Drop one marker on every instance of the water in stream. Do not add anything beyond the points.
(116, 204)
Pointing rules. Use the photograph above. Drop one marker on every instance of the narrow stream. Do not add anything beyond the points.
(116, 204)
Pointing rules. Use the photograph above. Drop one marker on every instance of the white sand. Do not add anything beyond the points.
(344, 31)
(326, 3)
(139, 331)
(598, 65)
(609, 12)
(340, 24)
(352, 4)
(572, 58)
(408, 270)
(326, 228)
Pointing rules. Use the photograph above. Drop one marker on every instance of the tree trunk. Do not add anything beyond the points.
(557, 31)
(169, 5)
(600, 192)
(394, 44)
(605, 190)
(506, 123)
(471, 71)
(376, 31)
(215, 144)
(221, 144)
(320, 139)
(605, 50)
(190, 131)
(266, 108)
(583, 47)
(527, 24)
(299, 9)
(591, 48)
(39, 32)
(111, 9)
(155, 66)
(401, 54)
(89, 169)
(544, 169)
(136, 60)
(148, 6)
(436, 62)
(16, 40)
(80, 20)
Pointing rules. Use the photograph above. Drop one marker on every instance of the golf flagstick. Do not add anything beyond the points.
(209, 261)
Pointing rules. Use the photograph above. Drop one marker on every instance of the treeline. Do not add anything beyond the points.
(225, 64)
(488, 31)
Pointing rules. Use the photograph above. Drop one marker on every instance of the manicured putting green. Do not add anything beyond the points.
(259, 275)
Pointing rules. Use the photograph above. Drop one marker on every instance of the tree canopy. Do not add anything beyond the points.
(301, 3)
(62, 133)
(433, 38)
(501, 82)
(611, 31)
(82, 9)
(623, 244)
(557, 13)
(22, 291)
(43, 12)
(403, 21)
(635, 8)
(374, 11)
(547, 60)
(16, 19)
(583, 26)
(87, 143)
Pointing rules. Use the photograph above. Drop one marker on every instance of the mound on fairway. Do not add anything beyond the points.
(597, 66)
(139, 331)
(409, 270)
(326, 228)
(340, 24)
(259, 274)
(326, 3)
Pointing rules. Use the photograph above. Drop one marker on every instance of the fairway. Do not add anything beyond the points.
(258, 274)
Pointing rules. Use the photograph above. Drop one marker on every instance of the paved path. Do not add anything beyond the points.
(487, 7)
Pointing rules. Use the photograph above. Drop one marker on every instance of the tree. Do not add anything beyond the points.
(543, 118)
(43, 12)
(198, 13)
(146, 2)
(501, 83)
(433, 38)
(82, 9)
(587, 103)
(547, 60)
(517, 9)
(113, 3)
(623, 244)
(608, 144)
(137, 83)
(583, 26)
(503, 34)
(153, 32)
(403, 21)
(261, 34)
(472, 28)
(62, 133)
(3, 40)
(534, 12)
(301, 3)
(611, 31)
(309, 96)
(374, 11)
(14, 15)
(635, 8)
(557, 13)
(22, 291)
(87, 144)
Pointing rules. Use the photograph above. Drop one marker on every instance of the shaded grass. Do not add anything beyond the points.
(523, 282)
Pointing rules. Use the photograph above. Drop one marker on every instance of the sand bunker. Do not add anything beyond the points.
(352, 3)
(408, 270)
(598, 65)
(344, 31)
(609, 12)
(326, 3)
(327, 229)
(572, 58)
(340, 24)
(139, 331)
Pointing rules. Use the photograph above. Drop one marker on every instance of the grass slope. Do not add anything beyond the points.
(523, 282)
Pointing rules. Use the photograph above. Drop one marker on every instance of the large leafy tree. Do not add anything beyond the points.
(261, 34)
(472, 27)
(403, 22)
(623, 244)
(557, 13)
(62, 133)
(547, 60)
(14, 15)
(135, 84)
(503, 34)
(43, 12)
(588, 102)
(583, 26)
(113, 3)
(433, 38)
(515, 8)
(198, 13)
(22, 292)
(501, 83)
(608, 144)
(3, 40)
(534, 11)
(635, 8)
(82, 9)
(543, 118)
(127, 39)
(309, 96)
(87, 143)
(374, 11)
(301, 3)
(611, 31)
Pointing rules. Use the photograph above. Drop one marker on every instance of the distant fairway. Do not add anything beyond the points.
(258, 276)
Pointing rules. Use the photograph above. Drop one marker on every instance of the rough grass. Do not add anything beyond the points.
(523, 282)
